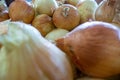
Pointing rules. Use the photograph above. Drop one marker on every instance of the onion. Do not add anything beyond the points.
(21, 10)
(64, 15)
(94, 47)
(43, 23)
(86, 9)
(56, 34)
(105, 11)
(45, 6)
(26, 55)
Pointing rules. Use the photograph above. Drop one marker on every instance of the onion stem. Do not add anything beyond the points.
(65, 11)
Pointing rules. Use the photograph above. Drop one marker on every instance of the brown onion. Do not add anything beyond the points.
(43, 23)
(66, 17)
(94, 47)
(21, 10)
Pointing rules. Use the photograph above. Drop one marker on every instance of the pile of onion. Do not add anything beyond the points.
(94, 47)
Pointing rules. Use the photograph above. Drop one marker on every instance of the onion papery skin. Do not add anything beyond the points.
(94, 47)
(21, 10)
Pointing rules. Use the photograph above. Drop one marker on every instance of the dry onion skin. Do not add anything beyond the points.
(116, 18)
(21, 10)
(105, 11)
(86, 10)
(66, 17)
(43, 23)
(56, 34)
(26, 55)
(94, 47)
(45, 6)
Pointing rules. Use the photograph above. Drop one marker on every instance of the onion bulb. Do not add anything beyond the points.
(26, 55)
(94, 47)
(43, 23)
(21, 10)
(56, 34)
(45, 6)
(66, 17)
(86, 9)
(105, 11)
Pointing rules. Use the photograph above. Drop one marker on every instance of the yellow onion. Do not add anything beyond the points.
(55, 34)
(21, 10)
(94, 47)
(26, 55)
(43, 23)
(66, 17)
(105, 11)
(86, 9)
(45, 6)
